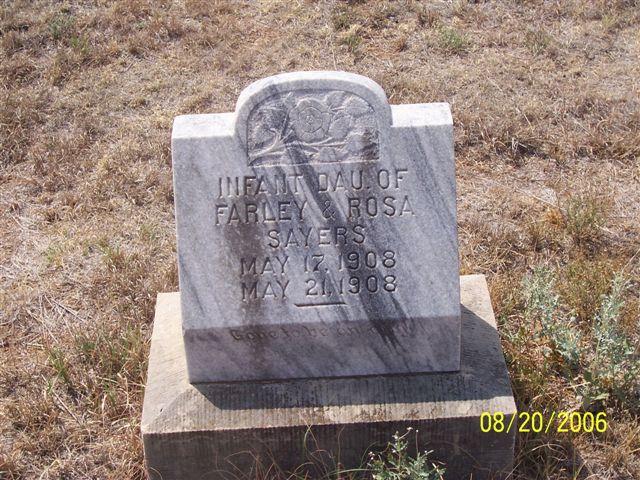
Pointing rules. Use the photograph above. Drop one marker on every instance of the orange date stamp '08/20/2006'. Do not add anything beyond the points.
(538, 422)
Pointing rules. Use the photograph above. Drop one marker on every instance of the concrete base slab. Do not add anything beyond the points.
(245, 430)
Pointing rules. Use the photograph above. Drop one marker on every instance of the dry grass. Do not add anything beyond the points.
(545, 100)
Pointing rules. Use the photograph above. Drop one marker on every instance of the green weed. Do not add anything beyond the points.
(395, 463)
(58, 361)
(599, 359)
(61, 26)
(542, 303)
(351, 40)
(452, 41)
(613, 368)
(81, 45)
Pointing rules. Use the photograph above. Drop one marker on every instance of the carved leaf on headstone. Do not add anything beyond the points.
(336, 99)
(340, 126)
(267, 131)
(327, 154)
(356, 106)
(312, 126)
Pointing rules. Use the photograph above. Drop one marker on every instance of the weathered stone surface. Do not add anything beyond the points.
(307, 222)
(217, 431)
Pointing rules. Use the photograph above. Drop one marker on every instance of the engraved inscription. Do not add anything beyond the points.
(316, 249)
(312, 126)
(400, 328)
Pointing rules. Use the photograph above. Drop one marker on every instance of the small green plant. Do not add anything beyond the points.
(54, 255)
(61, 25)
(395, 463)
(584, 217)
(600, 360)
(453, 41)
(542, 303)
(58, 361)
(80, 44)
(351, 40)
(613, 368)
(112, 256)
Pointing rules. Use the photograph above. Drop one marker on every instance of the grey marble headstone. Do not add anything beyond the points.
(317, 233)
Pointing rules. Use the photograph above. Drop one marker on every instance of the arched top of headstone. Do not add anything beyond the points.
(312, 117)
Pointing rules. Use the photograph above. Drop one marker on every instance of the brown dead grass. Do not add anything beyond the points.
(545, 100)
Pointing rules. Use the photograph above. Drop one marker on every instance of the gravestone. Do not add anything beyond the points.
(306, 223)
(319, 288)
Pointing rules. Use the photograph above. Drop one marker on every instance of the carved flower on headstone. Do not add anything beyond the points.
(310, 120)
(313, 126)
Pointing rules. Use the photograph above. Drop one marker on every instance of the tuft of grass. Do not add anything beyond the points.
(584, 217)
(62, 26)
(543, 234)
(54, 254)
(582, 285)
(209, 9)
(452, 41)
(342, 18)
(400, 44)
(538, 41)
(425, 16)
(113, 256)
(460, 8)
(11, 43)
(150, 232)
(59, 362)
(81, 45)
(351, 39)
(384, 16)
(112, 355)
(611, 22)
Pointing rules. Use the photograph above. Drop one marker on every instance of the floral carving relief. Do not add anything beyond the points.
(312, 126)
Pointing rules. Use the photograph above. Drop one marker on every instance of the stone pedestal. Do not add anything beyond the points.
(214, 431)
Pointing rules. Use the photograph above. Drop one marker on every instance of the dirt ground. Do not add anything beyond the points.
(546, 103)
